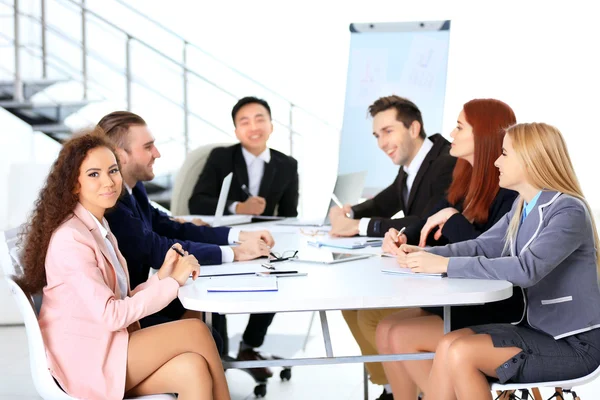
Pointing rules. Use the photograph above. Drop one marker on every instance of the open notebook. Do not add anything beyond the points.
(346, 243)
(242, 284)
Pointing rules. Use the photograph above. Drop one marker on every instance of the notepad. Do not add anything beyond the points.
(407, 271)
(242, 284)
(346, 243)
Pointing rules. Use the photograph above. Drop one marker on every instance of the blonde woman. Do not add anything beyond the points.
(547, 245)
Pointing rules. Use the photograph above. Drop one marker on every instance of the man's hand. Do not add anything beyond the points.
(195, 221)
(341, 225)
(250, 249)
(255, 205)
(263, 235)
(391, 242)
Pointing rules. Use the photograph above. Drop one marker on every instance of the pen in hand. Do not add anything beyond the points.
(401, 232)
(245, 189)
(338, 203)
(193, 275)
(181, 253)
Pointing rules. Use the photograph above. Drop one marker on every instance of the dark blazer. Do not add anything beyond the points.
(430, 185)
(279, 185)
(458, 228)
(145, 234)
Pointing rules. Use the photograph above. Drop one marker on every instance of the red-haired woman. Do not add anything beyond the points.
(474, 203)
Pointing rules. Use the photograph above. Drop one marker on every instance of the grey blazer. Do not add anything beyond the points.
(553, 259)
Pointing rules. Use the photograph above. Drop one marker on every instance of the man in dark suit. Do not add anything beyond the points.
(424, 176)
(145, 233)
(265, 181)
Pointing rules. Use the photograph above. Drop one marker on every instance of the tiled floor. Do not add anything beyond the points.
(286, 337)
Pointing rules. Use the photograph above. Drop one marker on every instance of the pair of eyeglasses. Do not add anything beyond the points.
(286, 255)
(314, 232)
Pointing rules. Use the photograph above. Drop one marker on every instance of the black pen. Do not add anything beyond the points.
(176, 249)
(245, 189)
(277, 272)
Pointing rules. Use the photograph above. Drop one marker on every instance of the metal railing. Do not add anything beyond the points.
(85, 80)
(185, 70)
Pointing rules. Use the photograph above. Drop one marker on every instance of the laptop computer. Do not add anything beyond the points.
(348, 189)
(227, 220)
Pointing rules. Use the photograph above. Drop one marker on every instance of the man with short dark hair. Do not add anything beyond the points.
(424, 176)
(265, 181)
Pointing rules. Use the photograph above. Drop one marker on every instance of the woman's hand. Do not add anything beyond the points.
(403, 251)
(422, 261)
(436, 220)
(392, 242)
(171, 259)
(186, 266)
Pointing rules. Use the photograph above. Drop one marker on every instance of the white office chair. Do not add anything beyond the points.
(9, 252)
(42, 378)
(560, 386)
(188, 175)
(9, 315)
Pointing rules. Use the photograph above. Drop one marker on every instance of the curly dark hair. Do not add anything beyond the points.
(55, 204)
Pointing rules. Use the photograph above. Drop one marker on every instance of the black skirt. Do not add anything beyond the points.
(543, 358)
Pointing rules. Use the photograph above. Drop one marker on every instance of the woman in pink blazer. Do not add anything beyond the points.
(89, 316)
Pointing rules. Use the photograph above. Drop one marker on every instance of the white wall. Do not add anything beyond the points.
(25, 159)
(541, 57)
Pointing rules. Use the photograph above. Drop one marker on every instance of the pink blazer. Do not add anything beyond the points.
(83, 320)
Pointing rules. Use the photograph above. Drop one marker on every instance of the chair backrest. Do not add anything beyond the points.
(9, 253)
(188, 175)
(42, 378)
(8, 267)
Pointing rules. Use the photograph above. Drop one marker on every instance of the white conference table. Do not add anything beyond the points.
(350, 285)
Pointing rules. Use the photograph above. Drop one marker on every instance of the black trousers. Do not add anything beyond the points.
(256, 330)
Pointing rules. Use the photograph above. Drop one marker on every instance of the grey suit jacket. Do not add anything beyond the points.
(553, 258)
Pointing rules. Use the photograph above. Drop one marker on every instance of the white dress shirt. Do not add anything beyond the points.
(256, 169)
(411, 173)
(121, 277)
(227, 254)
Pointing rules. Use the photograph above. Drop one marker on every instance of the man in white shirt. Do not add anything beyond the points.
(265, 181)
(424, 176)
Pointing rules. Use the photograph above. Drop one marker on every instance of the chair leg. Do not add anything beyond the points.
(505, 395)
(536, 394)
(575, 397)
(365, 382)
(525, 395)
(558, 394)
